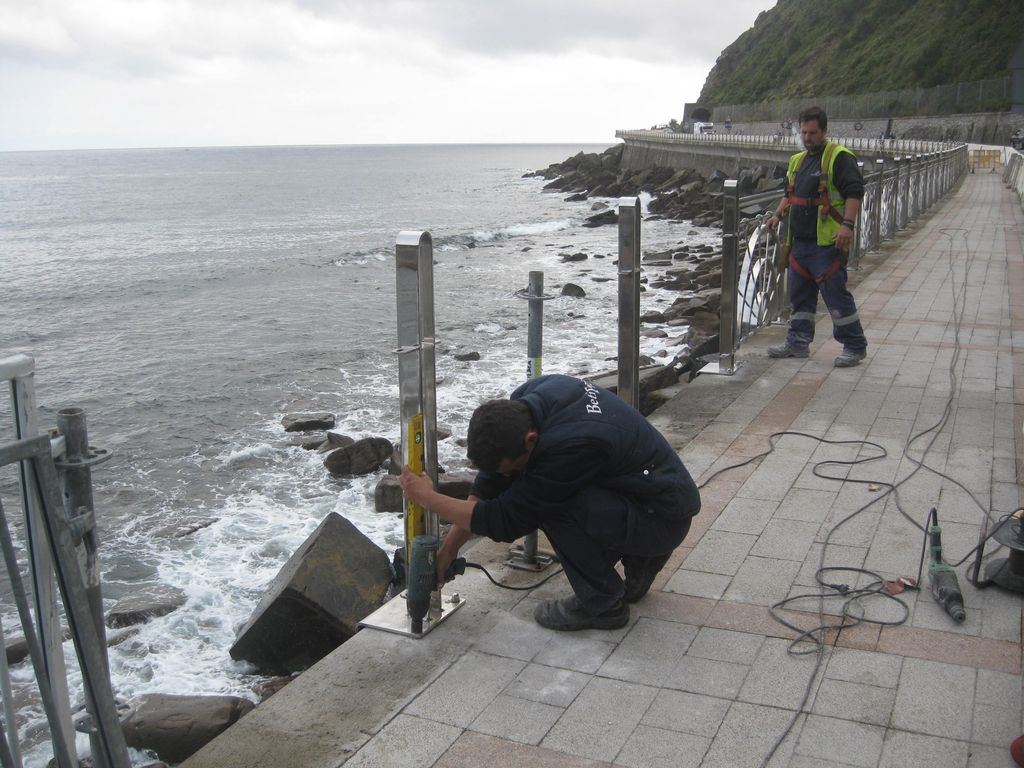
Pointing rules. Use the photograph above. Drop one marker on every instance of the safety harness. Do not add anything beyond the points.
(824, 205)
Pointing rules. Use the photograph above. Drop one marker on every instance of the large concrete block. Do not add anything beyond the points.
(334, 580)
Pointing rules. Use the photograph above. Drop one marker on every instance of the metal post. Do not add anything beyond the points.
(20, 371)
(8, 707)
(76, 475)
(858, 227)
(629, 301)
(417, 390)
(902, 170)
(727, 331)
(876, 214)
(525, 556)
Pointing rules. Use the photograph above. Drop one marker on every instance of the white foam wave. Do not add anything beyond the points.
(521, 230)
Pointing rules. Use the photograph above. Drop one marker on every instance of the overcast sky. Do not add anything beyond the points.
(146, 73)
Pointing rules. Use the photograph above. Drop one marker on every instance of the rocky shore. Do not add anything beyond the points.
(678, 195)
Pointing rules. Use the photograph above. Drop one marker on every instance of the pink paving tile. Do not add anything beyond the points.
(672, 607)
(951, 648)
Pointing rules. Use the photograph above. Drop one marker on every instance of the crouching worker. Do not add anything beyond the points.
(575, 461)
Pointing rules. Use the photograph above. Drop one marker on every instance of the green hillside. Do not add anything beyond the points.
(815, 48)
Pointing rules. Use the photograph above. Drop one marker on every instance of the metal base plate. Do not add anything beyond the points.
(394, 617)
(517, 560)
(718, 366)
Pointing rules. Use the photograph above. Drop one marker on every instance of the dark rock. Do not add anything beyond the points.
(600, 219)
(570, 257)
(306, 422)
(147, 603)
(267, 688)
(175, 727)
(653, 333)
(360, 458)
(652, 317)
(387, 496)
(467, 356)
(339, 440)
(334, 580)
(600, 205)
(577, 198)
(652, 378)
(574, 291)
(309, 442)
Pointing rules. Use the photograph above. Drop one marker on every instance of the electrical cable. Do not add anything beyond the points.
(526, 587)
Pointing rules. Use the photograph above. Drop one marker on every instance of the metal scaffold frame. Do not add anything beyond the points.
(59, 517)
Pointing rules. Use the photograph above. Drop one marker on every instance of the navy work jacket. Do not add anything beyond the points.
(588, 437)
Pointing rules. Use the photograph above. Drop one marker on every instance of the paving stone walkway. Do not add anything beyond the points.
(704, 676)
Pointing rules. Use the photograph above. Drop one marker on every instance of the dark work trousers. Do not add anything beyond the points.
(594, 530)
(803, 296)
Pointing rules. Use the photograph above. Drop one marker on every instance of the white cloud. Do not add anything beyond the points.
(175, 72)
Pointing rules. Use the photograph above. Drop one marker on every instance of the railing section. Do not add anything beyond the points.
(896, 193)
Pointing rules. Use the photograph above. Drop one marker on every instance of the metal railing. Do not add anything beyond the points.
(897, 191)
(1013, 175)
(787, 142)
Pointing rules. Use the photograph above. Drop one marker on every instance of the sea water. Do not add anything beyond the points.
(187, 299)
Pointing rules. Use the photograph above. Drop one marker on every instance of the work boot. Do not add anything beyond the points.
(567, 615)
(787, 350)
(640, 573)
(850, 358)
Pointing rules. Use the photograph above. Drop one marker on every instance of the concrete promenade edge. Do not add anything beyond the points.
(702, 676)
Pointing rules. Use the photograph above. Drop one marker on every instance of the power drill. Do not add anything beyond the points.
(422, 578)
(942, 578)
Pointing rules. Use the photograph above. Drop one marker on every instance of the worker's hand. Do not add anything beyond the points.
(844, 238)
(417, 488)
(773, 223)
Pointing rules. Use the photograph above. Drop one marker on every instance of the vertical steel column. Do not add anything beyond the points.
(857, 245)
(525, 557)
(629, 301)
(7, 699)
(417, 389)
(876, 214)
(76, 475)
(727, 330)
(535, 326)
(534, 367)
(900, 203)
(416, 368)
(20, 370)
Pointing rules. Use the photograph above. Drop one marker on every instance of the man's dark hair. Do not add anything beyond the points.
(816, 114)
(497, 430)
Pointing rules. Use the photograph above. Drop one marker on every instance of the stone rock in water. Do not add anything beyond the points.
(305, 422)
(360, 458)
(315, 603)
(175, 727)
(145, 604)
(574, 291)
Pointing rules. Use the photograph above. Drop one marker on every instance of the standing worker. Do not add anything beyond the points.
(824, 189)
(572, 459)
